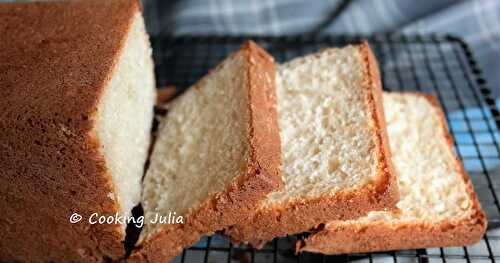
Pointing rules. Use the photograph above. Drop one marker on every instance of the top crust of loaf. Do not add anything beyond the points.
(241, 197)
(383, 235)
(296, 216)
(55, 61)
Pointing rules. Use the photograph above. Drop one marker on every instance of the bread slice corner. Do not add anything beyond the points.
(438, 205)
(336, 162)
(217, 154)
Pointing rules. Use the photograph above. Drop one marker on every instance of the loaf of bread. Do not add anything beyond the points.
(334, 146)
(77, 94)
(216, 156)
(438, 206)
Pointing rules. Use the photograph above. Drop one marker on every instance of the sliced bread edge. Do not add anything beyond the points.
(242, 196)
(385, 236)
(304, 215)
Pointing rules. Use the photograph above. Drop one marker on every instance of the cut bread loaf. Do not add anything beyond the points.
(217, 154)
(438, 206)
(334, 146)
(77, 94)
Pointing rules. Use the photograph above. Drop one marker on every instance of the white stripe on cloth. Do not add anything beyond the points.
(212, 12)
(384, 14)
(273, 15)
(360, 16)
(229, 18)
(396, 11)
(255, 10)
(487, 34)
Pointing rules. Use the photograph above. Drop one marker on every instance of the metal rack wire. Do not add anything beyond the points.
(440, 65)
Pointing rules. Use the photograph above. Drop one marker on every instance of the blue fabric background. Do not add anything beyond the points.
(476, 21)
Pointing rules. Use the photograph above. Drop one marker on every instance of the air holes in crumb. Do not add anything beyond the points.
(72, 192)
(316, 151)
(315, 164)
(235, 115)
(319, 227)
(333, 165)
(161, 111)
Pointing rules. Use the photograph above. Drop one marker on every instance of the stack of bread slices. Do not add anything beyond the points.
(254, 150)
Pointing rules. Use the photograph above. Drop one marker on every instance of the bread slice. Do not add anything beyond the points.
(216, 156)
(77, 94)
(438, 206)
(334, 146)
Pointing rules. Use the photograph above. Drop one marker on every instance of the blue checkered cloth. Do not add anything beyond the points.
(477, 22)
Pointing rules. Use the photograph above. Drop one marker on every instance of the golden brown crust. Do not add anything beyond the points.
(387, 185)
(55, 61)
(264, 138)
(242, 196)
(300, 216)
(383, 236)
(165, 94)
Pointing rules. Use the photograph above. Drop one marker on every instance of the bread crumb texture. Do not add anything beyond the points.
(125, 115)
(334, 148)
(430, 184)
(437, 207)
(202, 142)
(216, 157)
(327, 146)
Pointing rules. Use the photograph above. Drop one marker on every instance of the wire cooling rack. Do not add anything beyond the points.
(440, 65)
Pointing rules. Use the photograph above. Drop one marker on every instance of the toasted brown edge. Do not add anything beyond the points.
(381, 236)
(241, 198)
(165, 94)
(303, 215)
